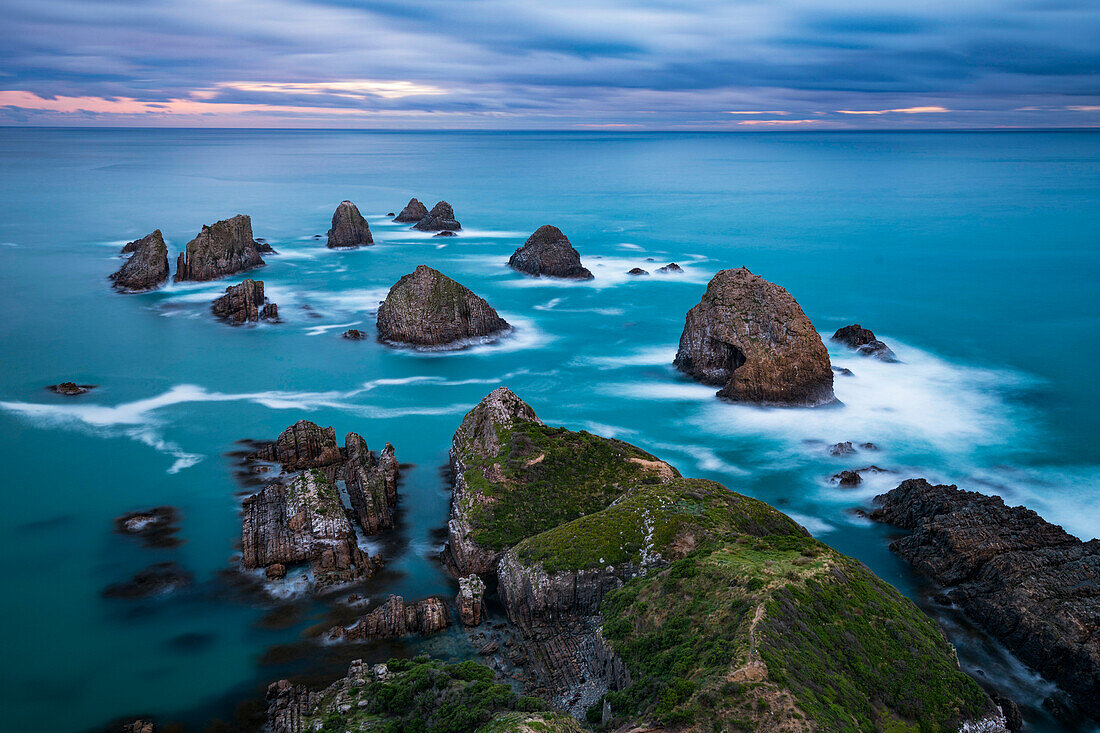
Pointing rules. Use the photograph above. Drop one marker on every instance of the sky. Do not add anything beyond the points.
(552, 64)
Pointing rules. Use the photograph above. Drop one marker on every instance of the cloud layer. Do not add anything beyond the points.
(618, 64)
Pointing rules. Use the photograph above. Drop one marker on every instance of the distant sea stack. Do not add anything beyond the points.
(440, 218)
(864, 342)
(751, 337)
(245, 303)
(221, 249)
(426, 308)
(549, 252)
(349, 228)
(147, 268)
(413, 212)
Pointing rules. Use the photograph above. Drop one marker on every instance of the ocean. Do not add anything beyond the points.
(975, 256)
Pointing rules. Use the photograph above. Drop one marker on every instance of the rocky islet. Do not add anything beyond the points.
(223, 248)
(147, 268)
(245, 303)
(549, 253)
(349, 229)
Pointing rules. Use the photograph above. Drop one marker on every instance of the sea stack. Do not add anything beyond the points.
(440, 218)
(751, 337)
(428, 309)
(221, 249)
(147, 268)
(245, 303)
(548, 252)
(413, 212)
(864, 342)
(349, 228)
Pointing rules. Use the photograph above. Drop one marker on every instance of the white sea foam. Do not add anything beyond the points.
(319, 330)
(524, 335)
(606, 272)
(633, 247)
(813, 525)
(647, 356)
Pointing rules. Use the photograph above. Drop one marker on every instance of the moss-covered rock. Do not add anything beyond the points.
(428, 309)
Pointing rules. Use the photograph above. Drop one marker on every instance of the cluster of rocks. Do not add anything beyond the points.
(863, 341)
(394, 619)
(245, 303)
(549, 253)
(1026, 581)
(440, 219)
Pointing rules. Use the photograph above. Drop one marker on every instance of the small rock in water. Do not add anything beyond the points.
(864, 342)
(390, 213)
(70, 389)
(446, 233)
(155, 580)
(868, 446)
(848, 479)
(245, 303)
(842, 449)
(636, 271)
(156, 527)
(413, 212)
(843, 371)
(354, 334)
(671, 267)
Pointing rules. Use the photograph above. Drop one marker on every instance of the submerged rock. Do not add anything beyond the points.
(549, 252)
(245, 303)
(395, 618)
(470, 601)
(147, 268)
(848, 479)
(1029, 583)
(413, 212)
(446, 233)
(70, 389)
(349, 228)
(155, 580)
(750, 336)
(156, 527)
(863, 341)
(354, 334)
(670, 269)
(842, 449)
(427, 308)
(440, 218)
(221, 249)
(636, 271)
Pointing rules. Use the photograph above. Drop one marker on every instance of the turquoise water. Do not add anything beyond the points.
(974, 255)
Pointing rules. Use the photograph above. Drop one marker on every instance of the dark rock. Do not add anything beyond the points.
(864, 341)
(147, 268)
(427, 308)
(1061, 708)
(471, 600)
(245, 303)
(750, 336)
(1027, 582)
(446, 233)
(395, 618)
(848, 479)
(349, 228)
(371, 483)
(844, 371)
(491, 648)
(390, 213)
(868, 446)
(275, 571)
(413, 212)
(155, 580)
(842, 449)
(155, 527)
(221, 249)
(139, 726)
(303, 445)
(636, 271)
(1013, 720)
(440, 218)
(354, 334)
(70, 389)
(670, 268)
(548, 252)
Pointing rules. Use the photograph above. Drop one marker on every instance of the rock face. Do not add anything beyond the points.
(301, 446)
(70, 389)
(440, 218)
(863, 340)
(470, 601)
(428, 309)
(750, 336)
(303, 520)
(221, 249)
(395, 618)
(245, 303)
(1028, 582)
(147, 268)
(413, 212)
(371, 482)
(548, 252)
(349, 228)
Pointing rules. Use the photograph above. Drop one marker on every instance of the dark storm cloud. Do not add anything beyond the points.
(522, 63)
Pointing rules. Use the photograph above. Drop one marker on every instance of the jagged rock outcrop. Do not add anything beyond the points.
(349, 228)
(750, 336)
(221, 249)
(303, 445)
(531, 594)
(303, 520)
(147, 268)
(428, 309)
(863, 341)
(670, 269)
(470, 600)
(395, 618)
(413, 212)
(1029, 583)
(245, 303)
(549, 252)
(440, 218)
(70, 389)
(371, 482)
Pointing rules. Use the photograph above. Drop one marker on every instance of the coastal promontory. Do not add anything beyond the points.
(223, 248)
(750, 337)
(349, 228)
(147, 267)
(428, 309)
(549, 252)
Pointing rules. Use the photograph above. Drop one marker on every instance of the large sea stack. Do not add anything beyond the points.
(413, 212)
(440, 218)
(750, 337)
(426, 308)
(349, 228)
(221, 249)
(245, 303)
(1028, 582)
(147, 268)
(549, 252)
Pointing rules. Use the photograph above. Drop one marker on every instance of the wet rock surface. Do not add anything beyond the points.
(446, 233)
(349, 228)
(750, 336)
(223, 248)
(864, 342)
(670, 269)
(245, 303)
(428, 309)
(71, 389)
(440, 218)
(156, 527)
(847, 479)
(1028, 582)
(354, 334)
(548, 252)
(147, 268)
(413, 212)
(156, 580)
(636, 271)
(395, 618)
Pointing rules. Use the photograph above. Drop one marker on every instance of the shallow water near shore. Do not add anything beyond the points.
(973, 255)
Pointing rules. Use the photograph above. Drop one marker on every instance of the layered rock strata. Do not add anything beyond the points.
(245, 303)
(470, 600)
(549, 252)
(428, 309)
(223, 248)
(349, 228)
(147, 267)
(371, 483)
(395, 618)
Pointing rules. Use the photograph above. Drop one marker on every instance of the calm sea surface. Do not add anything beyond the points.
(975, 256)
